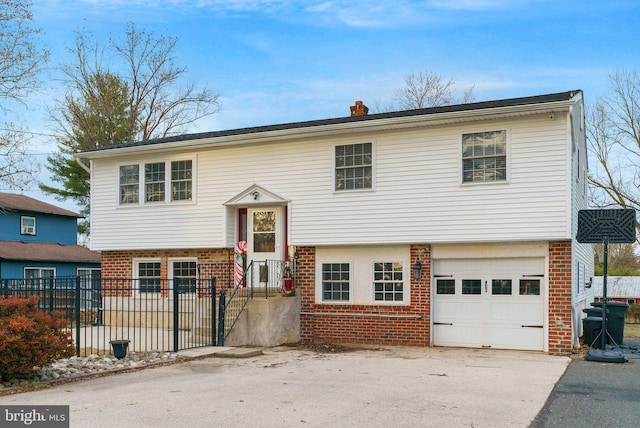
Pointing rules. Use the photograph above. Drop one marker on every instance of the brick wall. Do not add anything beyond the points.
(560, 336)
(365, 324)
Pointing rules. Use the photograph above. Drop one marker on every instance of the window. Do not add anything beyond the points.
(181, 176)
(484, 157)
(354, 166)
(471, 286)
(154, 182)
(529, 287)
(148, 274)
(264, 232)
(186, 271)
(446, 286)
(387, 282)
(129, 184)
(27, 225)
(39, 272)
(35, 276)
(335, 282)
(631, 301)
(501, 286)
(160, 182)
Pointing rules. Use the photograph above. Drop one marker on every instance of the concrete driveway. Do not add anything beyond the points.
(294, 387)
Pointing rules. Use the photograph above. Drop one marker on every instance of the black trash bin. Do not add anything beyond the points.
(591, 327)
(615, 321)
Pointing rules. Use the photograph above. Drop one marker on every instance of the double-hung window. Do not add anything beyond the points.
(186, 271)
(27, 225)
(336, 282)
(484, 157)
(154, 182)
(354, 166)
(388, 283)
(148, 275)
(157, 182)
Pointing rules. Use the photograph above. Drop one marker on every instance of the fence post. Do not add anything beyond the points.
(77, 307)
(49, 281)
(221, 317)
(213, 310)
(176, 302)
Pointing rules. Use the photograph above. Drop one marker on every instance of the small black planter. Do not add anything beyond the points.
(120, 348)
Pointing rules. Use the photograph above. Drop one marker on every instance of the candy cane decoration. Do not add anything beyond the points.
(241, 249)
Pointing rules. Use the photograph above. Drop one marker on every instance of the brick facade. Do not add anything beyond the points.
(560, 274)
(365, 324)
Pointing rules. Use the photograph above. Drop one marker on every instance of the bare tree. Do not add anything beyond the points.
(138, 95)
(161, 103)
(428, 89)
(613, 135)
(20, 63)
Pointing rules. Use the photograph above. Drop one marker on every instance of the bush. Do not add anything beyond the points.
(633, 314)
(30, 338)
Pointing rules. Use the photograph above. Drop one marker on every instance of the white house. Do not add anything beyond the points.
(479, 200)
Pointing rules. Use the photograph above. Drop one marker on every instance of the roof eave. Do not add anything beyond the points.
(377, 124)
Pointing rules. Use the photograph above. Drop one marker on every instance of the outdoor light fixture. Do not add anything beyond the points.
(255, 194)
(417, 270)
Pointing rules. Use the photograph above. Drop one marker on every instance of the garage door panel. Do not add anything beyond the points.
(506, 321)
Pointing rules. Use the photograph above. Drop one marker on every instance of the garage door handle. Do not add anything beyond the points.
(442, 323)
(532, 326)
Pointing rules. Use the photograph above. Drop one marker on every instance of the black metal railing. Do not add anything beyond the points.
(170, 315)
(271, 277)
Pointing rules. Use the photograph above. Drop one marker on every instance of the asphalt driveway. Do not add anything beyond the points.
(594, 394)
(293, 387)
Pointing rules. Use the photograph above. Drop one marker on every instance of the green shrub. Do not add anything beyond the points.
(30, 338)
(633, 314)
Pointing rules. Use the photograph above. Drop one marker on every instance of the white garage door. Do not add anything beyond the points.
(489, 303)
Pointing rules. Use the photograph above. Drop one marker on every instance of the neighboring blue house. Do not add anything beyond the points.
(40, 240)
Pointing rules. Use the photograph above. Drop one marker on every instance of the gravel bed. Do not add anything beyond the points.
(74, 367)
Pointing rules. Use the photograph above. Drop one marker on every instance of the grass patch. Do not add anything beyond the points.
(632, 330)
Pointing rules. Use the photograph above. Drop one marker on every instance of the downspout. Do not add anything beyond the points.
(82, 165)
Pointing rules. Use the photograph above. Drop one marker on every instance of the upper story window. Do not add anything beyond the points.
(156, 184)
(484, 157)
(354, 166)
(27, 225)
(129, 184)
(181, 180)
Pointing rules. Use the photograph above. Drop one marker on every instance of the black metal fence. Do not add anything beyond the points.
(154, 314)
(158, 315)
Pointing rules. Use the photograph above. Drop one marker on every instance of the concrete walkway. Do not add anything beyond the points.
(294, 387)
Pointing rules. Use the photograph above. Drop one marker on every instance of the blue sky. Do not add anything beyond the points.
(276, 61)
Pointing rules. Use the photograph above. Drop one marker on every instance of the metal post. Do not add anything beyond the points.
(77, 308)
(221, 312)
(213, 310)
(176, 302)
(604, 334)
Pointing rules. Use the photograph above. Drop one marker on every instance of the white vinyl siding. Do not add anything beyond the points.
(418, 195)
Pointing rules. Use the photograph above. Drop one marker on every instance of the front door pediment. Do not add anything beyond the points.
(256, 195)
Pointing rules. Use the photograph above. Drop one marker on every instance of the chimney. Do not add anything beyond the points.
(359, 109)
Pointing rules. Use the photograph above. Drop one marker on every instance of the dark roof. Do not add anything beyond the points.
(510, 102)
(47, 252)
(13, 202)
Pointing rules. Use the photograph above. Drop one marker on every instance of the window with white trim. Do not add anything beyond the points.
(27, 225)
(181, 180)
(161, 182)
(147, 272)
(484, 157)
(388, 282)
(154, 182)
(336, 282)
(129, 184)
(354, 166)
(39, 272)
(187, 273)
